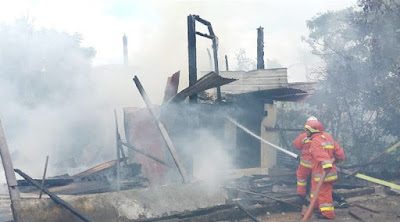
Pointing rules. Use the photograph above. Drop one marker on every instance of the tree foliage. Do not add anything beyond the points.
(42, 65)
(357, 99)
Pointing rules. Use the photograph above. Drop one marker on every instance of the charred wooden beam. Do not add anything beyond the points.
(215, 50)
(192, 48)
(366, 208)
(263, 195)
(146, 154)
(54, 197)
(9, 172)
(49, 182)
(162, 130)
(192, 54)
(285, 142)
(205, 35)
(210, 59)
(284, 129)
(226, 63)
(247, 213)
(202, 21)
(360, 165)
(118, 165)
(373, 159)
(44, 177)
(355, 216)
(260, 48)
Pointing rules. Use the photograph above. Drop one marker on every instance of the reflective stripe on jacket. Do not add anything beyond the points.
(303, 143)
(323, 149)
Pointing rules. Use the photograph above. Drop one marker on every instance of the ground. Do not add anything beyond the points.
(388, 206)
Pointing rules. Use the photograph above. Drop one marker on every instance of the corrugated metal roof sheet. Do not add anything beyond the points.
(278, 94)
(211, 80)
(256, 80)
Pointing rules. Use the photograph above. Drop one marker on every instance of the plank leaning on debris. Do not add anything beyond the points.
(145, 154)
(44, 177)
(162, 131)
(53, 196)
(10, 175)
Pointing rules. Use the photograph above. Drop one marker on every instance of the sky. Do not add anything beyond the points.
(157, 30)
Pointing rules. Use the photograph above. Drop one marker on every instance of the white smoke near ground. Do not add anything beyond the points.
(211, 157)
(52, 101)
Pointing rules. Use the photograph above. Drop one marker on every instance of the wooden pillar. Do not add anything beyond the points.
(268, 153)
(10, 175)
(215, 50)
(191, 22)
(125, 47)
(260, 48)
(226, 63)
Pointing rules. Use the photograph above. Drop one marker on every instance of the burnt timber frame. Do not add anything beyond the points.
(192, 52)
(10, 175)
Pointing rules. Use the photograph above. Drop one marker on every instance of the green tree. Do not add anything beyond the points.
(42, 65)
(358, 94)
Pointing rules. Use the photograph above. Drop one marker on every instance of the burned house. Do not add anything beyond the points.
(158, 171)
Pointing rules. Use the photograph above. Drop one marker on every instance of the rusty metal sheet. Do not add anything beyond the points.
(141, 132)
(95, 169)
(278, 94)
(209, 81)
(171, 89)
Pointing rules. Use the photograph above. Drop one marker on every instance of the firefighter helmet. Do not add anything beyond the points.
(314, 126)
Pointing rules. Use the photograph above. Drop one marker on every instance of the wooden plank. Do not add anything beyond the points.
(192, 54)
(54, 197)
(163, 131)
(9, 172)
(247, 213)
(355, 216)
(260, 48)
(366, 208)
(44, 177)
(96, 169)
(118, 165)
(146, 154)
(269, 197)
(390, 149)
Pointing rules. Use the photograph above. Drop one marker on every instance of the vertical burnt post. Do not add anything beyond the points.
(210, 59)
(226, 63)
(125, 47)
(260, 48)
(192, 54)
(215, 49)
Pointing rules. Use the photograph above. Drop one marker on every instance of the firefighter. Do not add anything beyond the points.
(325, 152)
(302, 142)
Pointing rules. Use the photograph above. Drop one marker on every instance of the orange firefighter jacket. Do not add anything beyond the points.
(323, 149)
(303, 143)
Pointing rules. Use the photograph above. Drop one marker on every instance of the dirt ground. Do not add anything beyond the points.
(388, 207)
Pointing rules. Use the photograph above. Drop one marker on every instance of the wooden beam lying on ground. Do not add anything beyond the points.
(54, 197)
(263, 195)
(247, 213)
(365, 208)
(355, 216)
